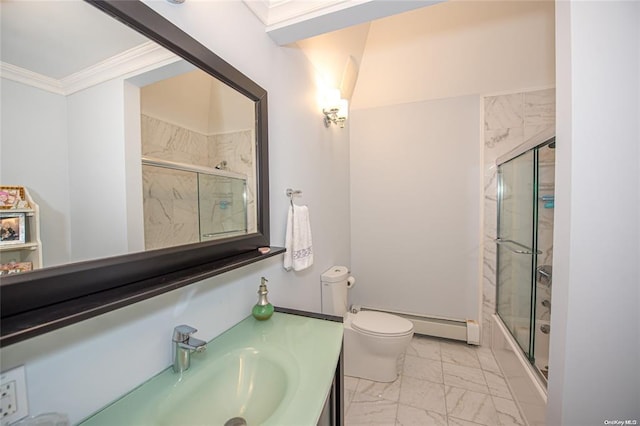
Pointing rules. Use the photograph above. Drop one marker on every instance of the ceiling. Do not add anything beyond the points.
(59, 38)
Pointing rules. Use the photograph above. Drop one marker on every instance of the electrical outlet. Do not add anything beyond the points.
(13, 396)
(8, 404)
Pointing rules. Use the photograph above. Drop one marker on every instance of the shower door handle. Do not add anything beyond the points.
(543, 274)
(522, 248)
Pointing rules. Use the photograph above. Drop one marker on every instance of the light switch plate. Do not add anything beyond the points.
(13, 396)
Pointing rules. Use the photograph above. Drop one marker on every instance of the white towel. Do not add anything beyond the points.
(299, 254)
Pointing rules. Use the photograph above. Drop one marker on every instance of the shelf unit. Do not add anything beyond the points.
(31, 250)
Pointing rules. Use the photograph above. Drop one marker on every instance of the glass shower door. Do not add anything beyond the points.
(516, 245)
(544, 256)
(222, 206)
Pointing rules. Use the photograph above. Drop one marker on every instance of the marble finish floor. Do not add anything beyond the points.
(441, 383)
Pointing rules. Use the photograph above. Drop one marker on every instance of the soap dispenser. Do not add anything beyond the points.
(263, 309)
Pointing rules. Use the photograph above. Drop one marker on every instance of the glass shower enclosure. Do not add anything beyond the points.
(187, 203)
(525, 250)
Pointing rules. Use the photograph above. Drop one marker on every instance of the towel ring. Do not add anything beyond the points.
(292, 193)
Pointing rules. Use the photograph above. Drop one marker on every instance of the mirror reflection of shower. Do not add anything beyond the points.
(526, 204)
(189, 204)
(198, 155)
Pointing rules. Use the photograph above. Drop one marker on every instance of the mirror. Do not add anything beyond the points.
(99, 174)
(63, 98)
(198, 159)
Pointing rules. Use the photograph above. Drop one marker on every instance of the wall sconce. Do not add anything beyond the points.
(335, 110)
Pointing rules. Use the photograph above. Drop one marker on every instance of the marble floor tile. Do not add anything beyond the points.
(487, 361)
(455, 353)
(422, 394)
(379, 390)
(508, 412)
(497, 385)
(424, 347)
(411, 416)
(400, 363)
(422, 368)
(350, 386)
(379, 412)
(347, 402)
(464, 377)
(459, 422)
(441, 383)
(351, 383)
(471, 406)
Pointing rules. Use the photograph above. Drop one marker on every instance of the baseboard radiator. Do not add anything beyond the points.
(466, 331)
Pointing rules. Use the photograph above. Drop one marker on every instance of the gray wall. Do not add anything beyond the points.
(415, 207)
(35, 154)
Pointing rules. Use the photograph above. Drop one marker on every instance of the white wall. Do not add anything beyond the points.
(133, 168)
(97, 171)
(415, 217)
(594, 369)
(35, 155)
(80, 368)
(72, 152)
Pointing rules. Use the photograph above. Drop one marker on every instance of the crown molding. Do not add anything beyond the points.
(274, 13)
(30, 78)
(137, 59)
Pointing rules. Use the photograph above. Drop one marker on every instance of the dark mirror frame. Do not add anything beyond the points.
(44, 300)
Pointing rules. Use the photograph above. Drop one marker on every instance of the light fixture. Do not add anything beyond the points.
(335, 110)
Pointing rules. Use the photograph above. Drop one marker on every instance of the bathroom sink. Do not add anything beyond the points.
(247, 383)
(269, 373)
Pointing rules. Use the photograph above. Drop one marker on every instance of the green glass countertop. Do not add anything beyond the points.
(275, 372)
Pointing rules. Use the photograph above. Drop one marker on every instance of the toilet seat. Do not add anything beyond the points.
(381, 324)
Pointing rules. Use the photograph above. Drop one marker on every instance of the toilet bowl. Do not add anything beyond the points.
(373, 340)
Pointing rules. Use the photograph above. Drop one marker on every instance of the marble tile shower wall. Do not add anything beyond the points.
(170, 196)
(170, 206)
(509, 120)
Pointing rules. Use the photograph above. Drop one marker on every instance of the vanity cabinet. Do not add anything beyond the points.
(333, 411)
(24, 253)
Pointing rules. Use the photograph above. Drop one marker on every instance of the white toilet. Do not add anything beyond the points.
(372, 340)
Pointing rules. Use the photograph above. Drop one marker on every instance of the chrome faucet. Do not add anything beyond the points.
(183, 345)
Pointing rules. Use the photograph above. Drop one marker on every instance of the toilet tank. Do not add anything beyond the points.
(334, 290)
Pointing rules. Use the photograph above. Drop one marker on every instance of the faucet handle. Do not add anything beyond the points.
(182, 332)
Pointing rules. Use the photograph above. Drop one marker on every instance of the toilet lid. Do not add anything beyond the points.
(381, 323)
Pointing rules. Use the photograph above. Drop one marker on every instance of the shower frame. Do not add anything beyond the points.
(201, 172)
(522, 249)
